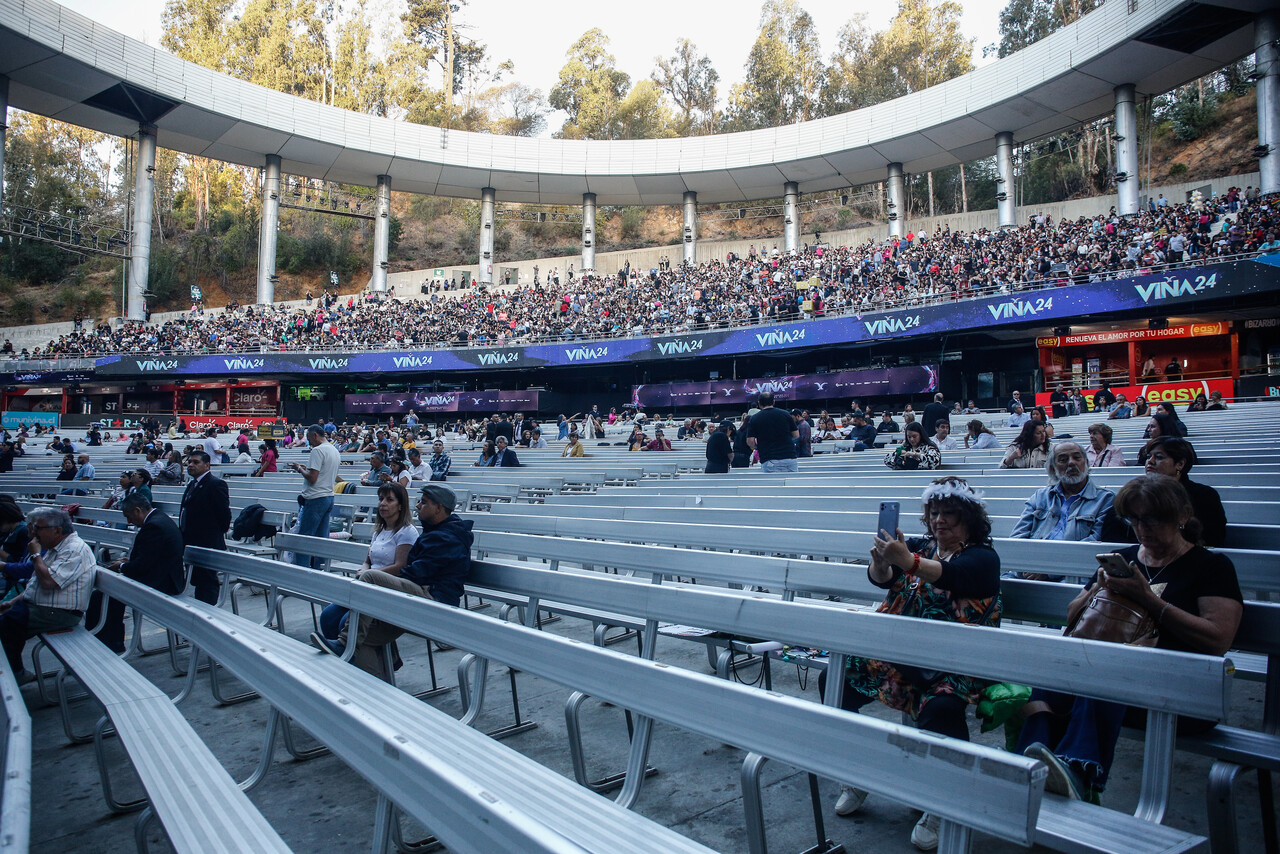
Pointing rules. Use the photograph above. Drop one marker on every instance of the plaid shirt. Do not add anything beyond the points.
(71, 563)
(439, 464)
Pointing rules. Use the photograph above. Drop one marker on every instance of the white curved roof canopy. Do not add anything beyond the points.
(67, 67)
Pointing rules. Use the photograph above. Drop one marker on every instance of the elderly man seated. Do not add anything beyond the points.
(1071, 507)
(62, 567)
(1122, 409)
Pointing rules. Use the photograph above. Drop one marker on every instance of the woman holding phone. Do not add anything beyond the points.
(951, 574)
(1190, 592)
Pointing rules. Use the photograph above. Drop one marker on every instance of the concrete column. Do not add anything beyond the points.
(690, 230)
(381, 234)
(1266, 29)
(144, 184)
(487, 200)
(897, 200)
(791, 216)
(1006, 205)
(1126, 150)
(4, 128)
(267, 231)
(588, 231)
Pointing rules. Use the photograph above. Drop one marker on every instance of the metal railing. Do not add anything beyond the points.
(68, 232)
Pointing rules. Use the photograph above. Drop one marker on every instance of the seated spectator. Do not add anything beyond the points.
(942, 438)
(951, 574)
(978, 437)
(242, 454)
(505, 457)
(538, 443)
(487, 452)
(1140, 408)
(1215, 402)
(916, 451)
(435, 567)
(1029, 449)
(377, 468)
(61, 579)
(1018, 417)
(1200, 404)
(1174, 457)
(573, 448)
(862, 434)
(1071, 507)
(1195, 600)
(1178, 427)
(1121, 410)
(887, 424)
(972, 410)
(1101, 452)
(659, 443)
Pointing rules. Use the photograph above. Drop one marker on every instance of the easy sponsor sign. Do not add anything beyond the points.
(1120, 336)
(1177, 393)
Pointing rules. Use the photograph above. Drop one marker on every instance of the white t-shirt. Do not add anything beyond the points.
(213, 449)
(324, 459)
(382, 551)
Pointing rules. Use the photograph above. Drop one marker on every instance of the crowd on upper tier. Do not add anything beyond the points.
(764, 286)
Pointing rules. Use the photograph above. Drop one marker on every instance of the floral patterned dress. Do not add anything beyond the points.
(971, 595)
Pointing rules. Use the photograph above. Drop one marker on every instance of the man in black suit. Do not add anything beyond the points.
(935, 412)
(205, 517)
(155, 560)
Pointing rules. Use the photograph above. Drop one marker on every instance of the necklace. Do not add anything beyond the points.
(1183, 549)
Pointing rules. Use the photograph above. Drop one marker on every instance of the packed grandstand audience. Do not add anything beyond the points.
(765, 286)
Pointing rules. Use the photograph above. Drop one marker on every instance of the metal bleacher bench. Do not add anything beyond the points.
(1057, 663)
(201, 807)
(15, 752)
(970, 786)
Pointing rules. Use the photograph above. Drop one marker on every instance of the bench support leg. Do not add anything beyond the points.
(953, 838)
(422, 846)
(753, 807)
(99, 734)
(1157, 766)
(472, 674)
(64, 706)
(140, 829)
(572, 710)
(1223, 834)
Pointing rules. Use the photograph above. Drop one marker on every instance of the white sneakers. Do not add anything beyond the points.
(925, 834)
(850, 800)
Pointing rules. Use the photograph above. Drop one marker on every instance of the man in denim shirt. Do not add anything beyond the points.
(1071, 507)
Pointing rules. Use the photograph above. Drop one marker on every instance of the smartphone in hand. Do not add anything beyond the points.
(888, 520)
(1114, 565)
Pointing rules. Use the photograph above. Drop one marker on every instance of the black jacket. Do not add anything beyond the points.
(441, 559)
(206, 513)
(719, 449)
(156, 557)
(933, 413)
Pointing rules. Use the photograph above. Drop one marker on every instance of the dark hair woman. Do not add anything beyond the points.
(1192, 594)
(1029, 449)
(915, 452)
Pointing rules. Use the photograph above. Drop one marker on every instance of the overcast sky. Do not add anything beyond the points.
(536, 35)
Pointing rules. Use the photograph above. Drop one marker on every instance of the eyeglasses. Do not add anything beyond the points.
(45, 528)
(1144, 521)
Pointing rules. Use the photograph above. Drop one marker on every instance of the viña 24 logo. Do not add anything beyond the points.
(1018, 308)
(1175, 287)
(890, 325)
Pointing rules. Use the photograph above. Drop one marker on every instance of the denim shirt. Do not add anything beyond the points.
(1084, 519)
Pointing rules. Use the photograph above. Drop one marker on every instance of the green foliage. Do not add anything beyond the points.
(164, 274)
(1189, 116)
(631, 222)
(23, 309)
(1024, 22)
(395, 233)
(690, 81)
(784, 71)
(93, 299)
(1177, 169)
(36, 263)
(590, 89)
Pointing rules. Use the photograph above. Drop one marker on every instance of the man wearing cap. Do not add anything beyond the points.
(772, 434)
(437, 568)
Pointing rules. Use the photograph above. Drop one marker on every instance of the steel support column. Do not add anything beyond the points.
(690, 231)
(488, 198)
(1126, 150)
(1006, 204)
(268, 229)
(791, 216)
(1266, 29)
(897, 200)
(144, 183)
(4, 128)
(381, 234)
(588, 232)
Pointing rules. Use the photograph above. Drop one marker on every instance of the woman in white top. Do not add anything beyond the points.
(400, 473)
(393, 538)
(978, 437)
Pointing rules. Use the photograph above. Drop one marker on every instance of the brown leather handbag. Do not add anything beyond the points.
(1113, 618)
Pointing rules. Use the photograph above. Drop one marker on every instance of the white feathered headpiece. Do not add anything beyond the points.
(951, 487)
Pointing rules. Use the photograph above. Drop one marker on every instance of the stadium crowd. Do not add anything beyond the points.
(765, 286)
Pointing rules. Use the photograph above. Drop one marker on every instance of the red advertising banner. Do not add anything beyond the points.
(1189, 330)
(231, 422)
(1179, 393)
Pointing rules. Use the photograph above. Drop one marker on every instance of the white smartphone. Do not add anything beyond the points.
(888, 520)
(1114, 565)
